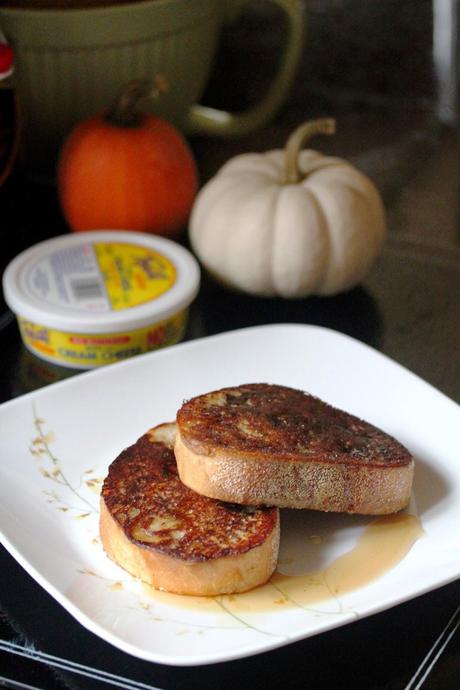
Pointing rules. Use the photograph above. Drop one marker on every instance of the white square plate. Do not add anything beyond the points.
(57, 443)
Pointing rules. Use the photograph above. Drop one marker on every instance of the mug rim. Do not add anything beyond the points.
(36, 29)
(51, 13)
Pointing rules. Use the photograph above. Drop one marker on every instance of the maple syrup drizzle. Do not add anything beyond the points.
(382, 545)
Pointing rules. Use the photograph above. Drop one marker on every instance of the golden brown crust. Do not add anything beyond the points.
(261, 443)
(177, 540)
(273, 420)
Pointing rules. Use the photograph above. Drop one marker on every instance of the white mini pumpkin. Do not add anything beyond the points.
(289, 222)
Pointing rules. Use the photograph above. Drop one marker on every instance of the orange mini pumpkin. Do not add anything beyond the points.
(125, 169)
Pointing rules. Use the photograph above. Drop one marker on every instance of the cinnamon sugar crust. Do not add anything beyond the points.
(266, 444)
(174, 539)
(279, 421)
(156, 510)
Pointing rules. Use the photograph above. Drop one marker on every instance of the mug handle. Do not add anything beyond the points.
(207, 120)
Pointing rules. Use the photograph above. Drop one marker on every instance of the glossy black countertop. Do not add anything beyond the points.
(395, 128)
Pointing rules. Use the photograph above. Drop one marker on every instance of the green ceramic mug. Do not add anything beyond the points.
(71, 62)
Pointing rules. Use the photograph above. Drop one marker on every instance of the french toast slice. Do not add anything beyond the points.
(174, 539)
(267, 444)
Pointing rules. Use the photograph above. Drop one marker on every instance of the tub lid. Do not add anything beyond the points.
(101, 281)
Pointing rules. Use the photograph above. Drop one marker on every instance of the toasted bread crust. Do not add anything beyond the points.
(174, 539)
(261, 443)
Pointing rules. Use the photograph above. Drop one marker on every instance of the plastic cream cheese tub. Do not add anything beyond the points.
(89, 299)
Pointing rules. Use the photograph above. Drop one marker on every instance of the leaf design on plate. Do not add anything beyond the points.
(51, 468)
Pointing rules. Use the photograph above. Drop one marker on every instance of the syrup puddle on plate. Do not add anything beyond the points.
(382, 544)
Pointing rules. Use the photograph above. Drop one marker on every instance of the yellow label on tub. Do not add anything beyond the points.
(87, 350)
(133, 274)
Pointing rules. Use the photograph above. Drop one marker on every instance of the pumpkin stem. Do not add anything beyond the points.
(124, 111)
(292, 172)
